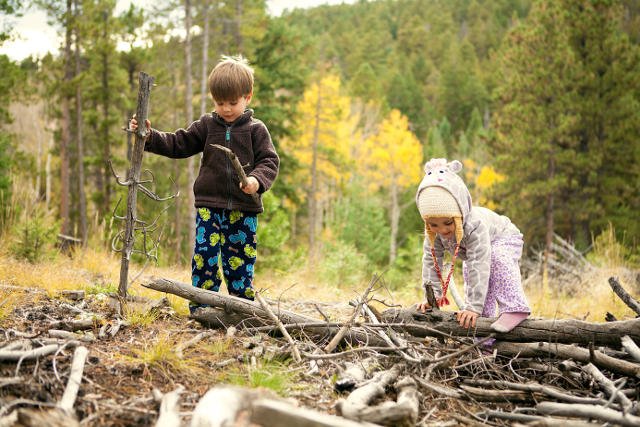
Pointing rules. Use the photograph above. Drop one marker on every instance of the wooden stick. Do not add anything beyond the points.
(343, 330)
(75, 378)
(624, 295)
(631, 347)
(587, 411)
(133, 178)
(237, 167)
(239, 310)
(294, 348)
(13, 356)
(169, 415)
(569, 352)
(608, 386)
(193, 341)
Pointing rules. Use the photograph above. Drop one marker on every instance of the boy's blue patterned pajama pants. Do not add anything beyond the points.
(225, 247)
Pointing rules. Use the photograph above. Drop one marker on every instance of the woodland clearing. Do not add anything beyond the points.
(145, 349)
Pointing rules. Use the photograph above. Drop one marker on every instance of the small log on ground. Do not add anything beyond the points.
(222, 406)
(356, 406)
(561, 331)
(233, 311)
(587, 412)
(624, 295)
(169, 414)
(564, 351)
(273, 413)
(75, 378)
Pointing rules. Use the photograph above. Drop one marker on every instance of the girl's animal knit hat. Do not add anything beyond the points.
(442, 193)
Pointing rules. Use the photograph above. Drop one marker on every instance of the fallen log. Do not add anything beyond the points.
(433, 323)
(565, 351)
(588, 412)
(228, 311)
(624, 295)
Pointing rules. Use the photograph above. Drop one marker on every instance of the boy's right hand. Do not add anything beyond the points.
(423, 306)
(133, 125)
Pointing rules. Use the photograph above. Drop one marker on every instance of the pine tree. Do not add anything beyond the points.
(533, 120)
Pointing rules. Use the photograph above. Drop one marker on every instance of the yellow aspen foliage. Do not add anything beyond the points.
(324, 135)
(394, 155)
(487, 178)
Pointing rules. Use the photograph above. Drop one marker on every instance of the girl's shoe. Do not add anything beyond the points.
(508, 321)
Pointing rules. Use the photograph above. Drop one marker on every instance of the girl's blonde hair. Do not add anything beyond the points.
(457, 220)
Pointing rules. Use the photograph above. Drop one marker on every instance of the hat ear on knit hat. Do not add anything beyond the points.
(433, 164)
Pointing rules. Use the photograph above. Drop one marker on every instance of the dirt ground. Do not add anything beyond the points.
(129, 360)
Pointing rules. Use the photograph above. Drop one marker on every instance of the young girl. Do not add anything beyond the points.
(488, 243)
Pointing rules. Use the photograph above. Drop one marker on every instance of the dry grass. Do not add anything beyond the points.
(96, 271)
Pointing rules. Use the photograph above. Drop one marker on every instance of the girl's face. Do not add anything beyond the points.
(231, 110)
(443, 226)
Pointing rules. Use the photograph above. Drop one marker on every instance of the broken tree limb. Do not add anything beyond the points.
(631, 347)
(569, 352)
(273, 413)
(561, 331)
(587, 411)
(233, 311)
(274, 318)
(356, 406)
(75, 378)
(133, 177)
(169, 412)
(624, 295)
(235, 163)
(14, 356)
(343, 330)
(608, 386)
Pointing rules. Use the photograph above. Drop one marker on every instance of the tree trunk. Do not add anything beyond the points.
(237, 30)
(313, 192)
(65, 138)
(205, 60)
(82, 197)
(106, 105)
(394, 222)
(551, 173)
(189, 117)
(133, 177)
(178, 220)
(437, 322)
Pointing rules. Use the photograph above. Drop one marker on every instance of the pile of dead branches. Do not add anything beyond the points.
(406, 368)
(393, 368)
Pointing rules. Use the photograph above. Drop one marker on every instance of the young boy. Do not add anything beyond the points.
(489, 244)
(226, 212)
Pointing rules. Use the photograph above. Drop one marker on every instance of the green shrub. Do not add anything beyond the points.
(34, 236)
(343, 265)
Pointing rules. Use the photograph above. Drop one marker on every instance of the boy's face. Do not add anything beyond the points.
(231, 110)
(445, 227)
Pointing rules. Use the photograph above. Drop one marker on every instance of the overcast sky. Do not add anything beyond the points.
(32, 35)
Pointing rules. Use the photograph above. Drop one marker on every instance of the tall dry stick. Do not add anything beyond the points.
(133, 178)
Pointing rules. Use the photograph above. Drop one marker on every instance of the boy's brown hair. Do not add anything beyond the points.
(231, 79)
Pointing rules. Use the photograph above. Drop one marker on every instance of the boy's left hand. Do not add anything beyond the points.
(467, 318)
(251, 187)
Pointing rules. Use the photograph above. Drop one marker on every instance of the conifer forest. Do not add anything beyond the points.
(538, 99)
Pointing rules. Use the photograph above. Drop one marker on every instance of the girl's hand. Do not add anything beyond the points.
(423, 306)
(251, 187)
(467, 318)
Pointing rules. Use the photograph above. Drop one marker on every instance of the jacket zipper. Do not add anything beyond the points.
(227, 141)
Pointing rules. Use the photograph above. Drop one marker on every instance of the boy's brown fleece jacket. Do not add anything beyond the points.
(217, 185)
